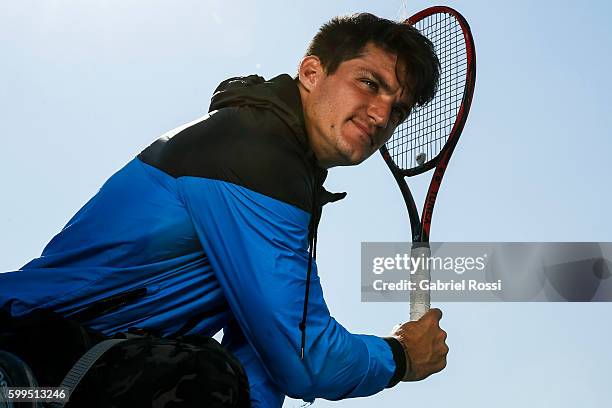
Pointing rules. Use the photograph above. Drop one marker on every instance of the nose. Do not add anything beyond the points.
(379, 111)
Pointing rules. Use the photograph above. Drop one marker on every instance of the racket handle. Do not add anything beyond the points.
(420, 300)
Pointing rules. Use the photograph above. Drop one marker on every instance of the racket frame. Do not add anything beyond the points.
(420, 226)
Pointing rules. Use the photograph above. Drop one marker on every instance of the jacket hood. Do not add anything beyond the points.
(280, 94)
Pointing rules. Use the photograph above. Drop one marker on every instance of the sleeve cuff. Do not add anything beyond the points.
(399, 356)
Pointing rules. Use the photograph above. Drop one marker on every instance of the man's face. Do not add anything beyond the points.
(351, 113)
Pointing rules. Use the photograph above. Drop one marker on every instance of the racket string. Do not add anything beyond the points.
(428, 127)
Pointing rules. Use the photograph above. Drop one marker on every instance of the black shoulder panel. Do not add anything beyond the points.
(248, 146)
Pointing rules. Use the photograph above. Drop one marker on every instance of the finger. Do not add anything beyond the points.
(442, 366)
(434, 314)
(396, 328)
(444, 335)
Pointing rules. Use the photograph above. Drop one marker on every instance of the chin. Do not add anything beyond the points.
(353, 152)
(354, 158)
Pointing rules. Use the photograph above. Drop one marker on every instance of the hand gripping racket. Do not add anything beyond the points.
(427, 138)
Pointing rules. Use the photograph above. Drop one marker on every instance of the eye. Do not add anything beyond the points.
(370, 84)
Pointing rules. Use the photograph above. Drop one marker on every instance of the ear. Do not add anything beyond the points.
(310, 72)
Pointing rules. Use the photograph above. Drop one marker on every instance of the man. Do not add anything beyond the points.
(214, 226)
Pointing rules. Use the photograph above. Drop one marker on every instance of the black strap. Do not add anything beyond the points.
(82, 366)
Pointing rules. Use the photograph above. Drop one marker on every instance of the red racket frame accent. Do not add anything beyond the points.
(421, 227)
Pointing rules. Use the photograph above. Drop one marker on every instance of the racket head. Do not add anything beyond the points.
(429, 135)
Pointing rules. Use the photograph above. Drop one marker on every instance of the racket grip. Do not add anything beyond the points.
(420, 299)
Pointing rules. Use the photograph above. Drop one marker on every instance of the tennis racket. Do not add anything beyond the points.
(427, 138)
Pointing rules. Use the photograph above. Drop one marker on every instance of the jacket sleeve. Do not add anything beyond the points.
(264, 393)
(257, 247)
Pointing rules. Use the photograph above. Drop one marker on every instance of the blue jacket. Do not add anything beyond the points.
(208, 229)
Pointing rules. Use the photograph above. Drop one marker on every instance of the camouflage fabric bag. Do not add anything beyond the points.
(146, 371)
(142, 371)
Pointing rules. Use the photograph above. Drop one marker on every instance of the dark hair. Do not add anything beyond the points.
(344, 38)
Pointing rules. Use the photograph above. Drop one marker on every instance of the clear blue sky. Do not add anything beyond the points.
(85, 85)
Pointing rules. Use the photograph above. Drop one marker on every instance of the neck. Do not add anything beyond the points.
(319, 149)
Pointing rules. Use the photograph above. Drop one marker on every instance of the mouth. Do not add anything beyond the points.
(366, 132)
